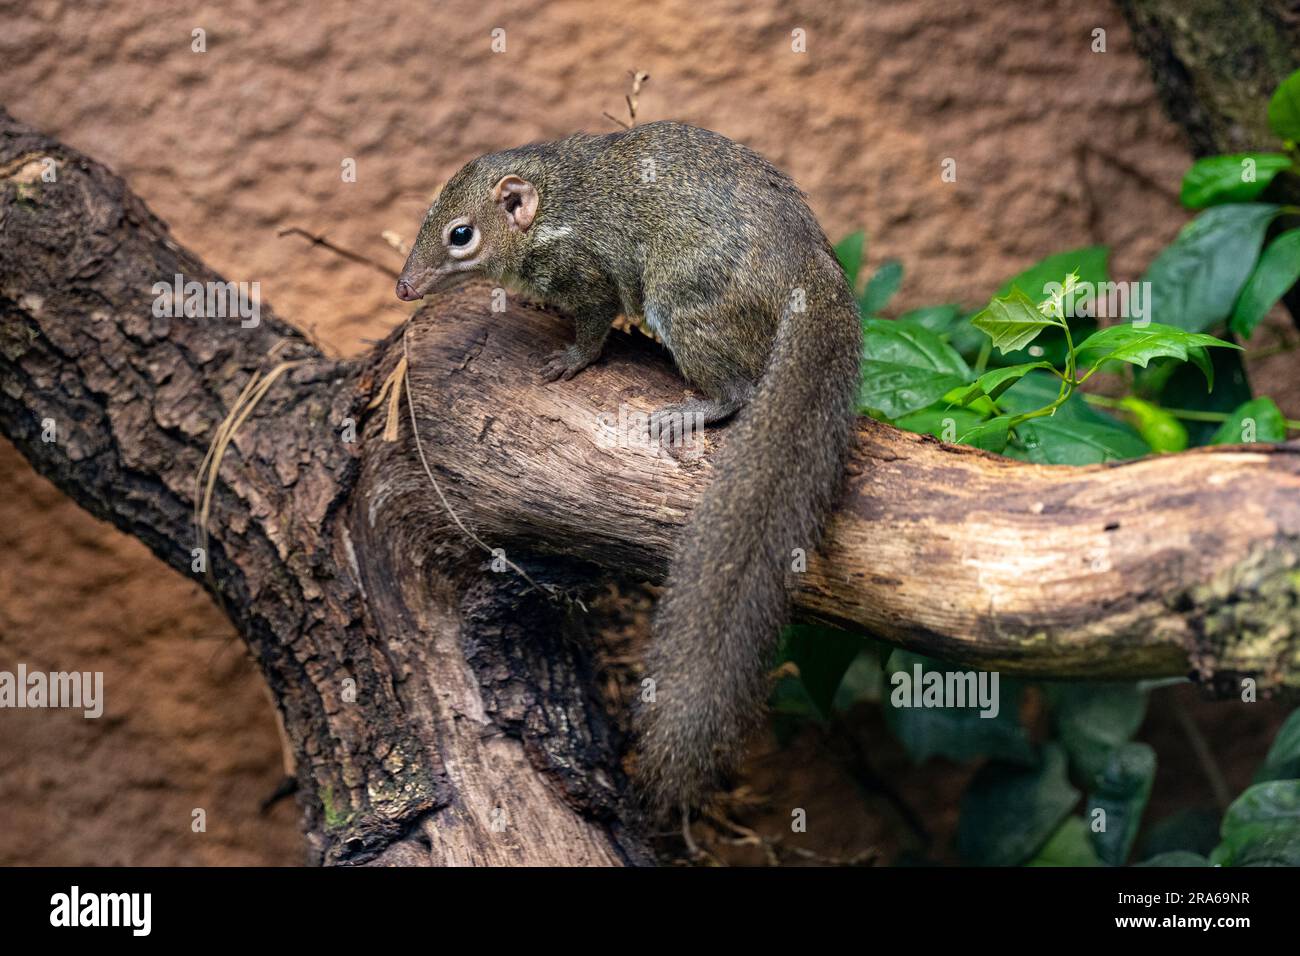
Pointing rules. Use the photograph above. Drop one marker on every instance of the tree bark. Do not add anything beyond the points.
(437, 715)
(439, 709)
(1215, 64)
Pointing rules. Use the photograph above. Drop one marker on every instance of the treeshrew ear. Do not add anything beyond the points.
(518, 199)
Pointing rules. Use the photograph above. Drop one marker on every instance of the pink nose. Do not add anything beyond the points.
(405, 291)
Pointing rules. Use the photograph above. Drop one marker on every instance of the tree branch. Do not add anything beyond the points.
(400, 756)
(438, 709)
(1161, 566)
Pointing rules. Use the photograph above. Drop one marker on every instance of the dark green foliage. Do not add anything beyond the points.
(1008, 378)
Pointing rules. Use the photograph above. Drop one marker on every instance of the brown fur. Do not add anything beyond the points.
(717, 249)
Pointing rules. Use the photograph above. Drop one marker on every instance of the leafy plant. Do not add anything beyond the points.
(882, 285)
(1010, 377)
(1077, 798)
(1014, 320)
(914, 377)
(1243, 180)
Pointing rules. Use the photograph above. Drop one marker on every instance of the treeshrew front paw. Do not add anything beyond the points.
(564, 364)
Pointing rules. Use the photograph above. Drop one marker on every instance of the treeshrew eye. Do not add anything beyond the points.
(461, 235)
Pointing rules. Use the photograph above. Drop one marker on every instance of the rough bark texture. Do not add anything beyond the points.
(1215, 64)
(438, 709)
(405, 751)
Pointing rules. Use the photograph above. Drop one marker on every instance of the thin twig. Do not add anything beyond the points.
(1133, 172)
(419, 448)
(206, 480)
(639, 80)
(1218, 786)
(338, 250)
(774, 846)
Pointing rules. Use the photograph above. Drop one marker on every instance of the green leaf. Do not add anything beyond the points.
(790, 698)
(1259, 846)
(791, 708)
(1138, 345)
(1262, 827)
(940, 420)
(1159, 429)
(1195, 281)
(1184, 387)
(1148, 684)
(896, 390)
(937, 318)
(970, 341)
(822, 655)
(1068, 441)
(1283, 760)
(907, 367)
(1284, 108)
(1089, 262)
(958, 733)
(849, 251)
(1191, 830)
(997, 381)
(1050, 347)
(1039, 281)
(1277, 271)
(1236, 178)
(1179, 858)
(1120, 793)
(991, 435)
(1013, 321)
(1256, 420)
(1009, 812)
(863, 681)
(882, 287)
(1075, 435)
(1068, 846)
(1092, 719)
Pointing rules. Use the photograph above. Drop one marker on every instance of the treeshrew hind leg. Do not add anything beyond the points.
(677, 427)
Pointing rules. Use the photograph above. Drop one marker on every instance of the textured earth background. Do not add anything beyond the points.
(235, 143)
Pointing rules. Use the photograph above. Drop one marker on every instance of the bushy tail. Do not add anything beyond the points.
(716, 628)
